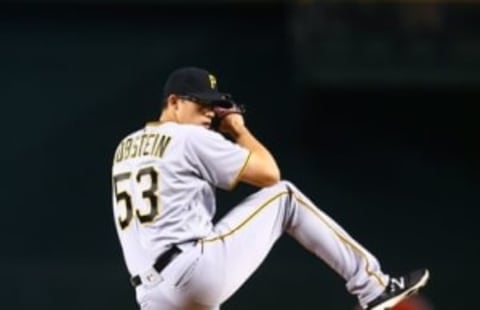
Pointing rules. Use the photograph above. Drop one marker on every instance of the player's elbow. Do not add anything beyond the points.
(261, 173)
(272, 176)
(265, 178)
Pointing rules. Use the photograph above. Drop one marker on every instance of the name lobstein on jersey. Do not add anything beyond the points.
(145, 145)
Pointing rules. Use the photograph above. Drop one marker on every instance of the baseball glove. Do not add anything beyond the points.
(225, 108)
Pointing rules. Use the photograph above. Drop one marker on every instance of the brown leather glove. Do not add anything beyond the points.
(225, 108)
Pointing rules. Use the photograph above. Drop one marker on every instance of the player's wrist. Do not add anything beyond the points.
(238, 130)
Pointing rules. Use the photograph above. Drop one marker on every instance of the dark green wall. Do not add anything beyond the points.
(401, 176)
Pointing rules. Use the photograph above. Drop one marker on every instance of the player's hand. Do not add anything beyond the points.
(231, 124)
(228, 118)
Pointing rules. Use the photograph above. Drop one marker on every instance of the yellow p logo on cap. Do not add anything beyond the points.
(213, 81)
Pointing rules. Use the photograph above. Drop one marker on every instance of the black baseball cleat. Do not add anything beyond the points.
(399, 288)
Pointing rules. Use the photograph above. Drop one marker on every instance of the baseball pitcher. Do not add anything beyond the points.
(164, 178)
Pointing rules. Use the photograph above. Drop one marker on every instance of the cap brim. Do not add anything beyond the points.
(212, 97)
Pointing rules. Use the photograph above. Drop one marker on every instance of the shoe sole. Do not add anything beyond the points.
(388, 304)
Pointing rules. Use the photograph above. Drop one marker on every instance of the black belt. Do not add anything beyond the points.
(160, 263)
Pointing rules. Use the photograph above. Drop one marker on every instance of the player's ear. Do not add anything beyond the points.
(172, 101)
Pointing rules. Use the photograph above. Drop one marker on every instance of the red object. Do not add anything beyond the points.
(413, 303)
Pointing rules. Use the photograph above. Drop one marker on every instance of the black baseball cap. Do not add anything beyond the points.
(194, 82)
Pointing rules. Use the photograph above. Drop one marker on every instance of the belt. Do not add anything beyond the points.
(160, 263)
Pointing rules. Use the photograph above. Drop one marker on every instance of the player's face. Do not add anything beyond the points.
(190, 112)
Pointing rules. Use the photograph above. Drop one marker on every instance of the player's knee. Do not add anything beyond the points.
(289, 207)
(282, 186)
(286, 185)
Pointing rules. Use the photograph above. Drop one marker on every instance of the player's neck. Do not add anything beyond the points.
(167, 116)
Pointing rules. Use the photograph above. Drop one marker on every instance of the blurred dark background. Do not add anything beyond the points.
(371, 108)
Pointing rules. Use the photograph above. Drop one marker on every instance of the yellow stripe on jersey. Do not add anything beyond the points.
(258, 210)
(153, 124)
(237, 178)
(343, 238)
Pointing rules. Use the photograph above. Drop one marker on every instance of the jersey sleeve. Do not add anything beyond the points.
(217, 160)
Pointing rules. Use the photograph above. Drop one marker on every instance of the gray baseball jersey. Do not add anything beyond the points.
(164, 180)
(164, 187)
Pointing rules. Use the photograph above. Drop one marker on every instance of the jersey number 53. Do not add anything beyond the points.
(149, 195)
